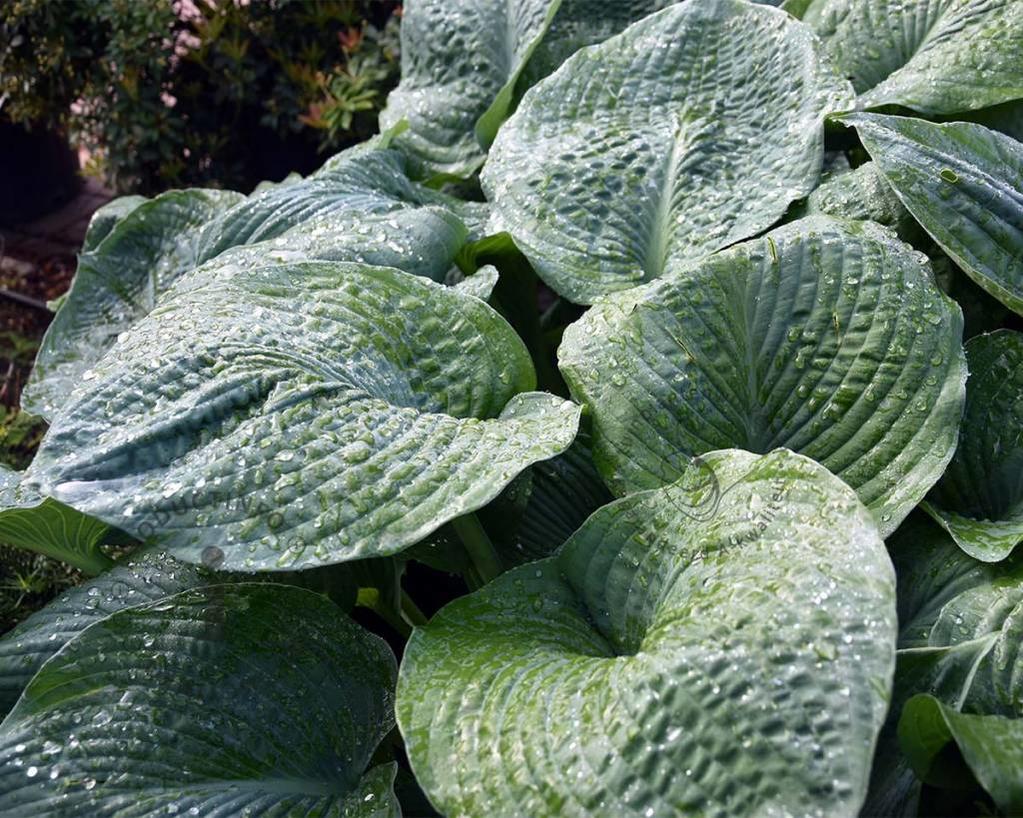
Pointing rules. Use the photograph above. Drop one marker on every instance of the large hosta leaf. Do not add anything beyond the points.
(137, 580)
(421, 241)
(934, 56)
(359, 207)
(140, 577)
(580, 23)
(117, 282)
(230, 700)
(961, 623)
(660, 664)
(301, 414)
(964, 183)
(827, 337)
(361, 201)
(692, 129)
(459, 63)
(979, 500)
(31, 521)
(465, 63)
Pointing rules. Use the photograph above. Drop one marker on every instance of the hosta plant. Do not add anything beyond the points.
(633, 428)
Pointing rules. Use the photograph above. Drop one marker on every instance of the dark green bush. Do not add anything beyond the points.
(188, 93)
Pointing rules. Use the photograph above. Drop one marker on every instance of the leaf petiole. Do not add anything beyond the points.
(478, 545)
(371, 598)
(410, 611)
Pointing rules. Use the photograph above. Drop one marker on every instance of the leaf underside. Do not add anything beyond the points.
(40, 524)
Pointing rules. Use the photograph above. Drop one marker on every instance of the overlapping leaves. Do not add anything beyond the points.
(359, 207)
(979, 500)
(862, 193)
(460, 62)
(118, 281)
(964, 184)
(465, 63)
(280, 381)
(934, 56)
(29, 520)
(139, 579)
(959, 642)
(579, 23)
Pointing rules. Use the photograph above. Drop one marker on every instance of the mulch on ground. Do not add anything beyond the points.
(37, 264)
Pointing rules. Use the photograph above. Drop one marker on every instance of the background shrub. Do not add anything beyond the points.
(199, 93)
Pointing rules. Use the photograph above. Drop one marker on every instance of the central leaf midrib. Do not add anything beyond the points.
(756, 429)
(759, 436)
(655, 254)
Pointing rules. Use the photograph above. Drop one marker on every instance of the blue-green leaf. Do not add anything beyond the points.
(675, 657)
(862, 194)
(136, 580)
(119, 280)
(653, 147)
(459, 63)
(828, 337)
(961, 625)
(263, 700)
(106, 217)
(964, 184)
(934, 56)
(360, 206)
(297, 415)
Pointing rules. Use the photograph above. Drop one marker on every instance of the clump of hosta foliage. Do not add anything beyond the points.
(682, 469)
